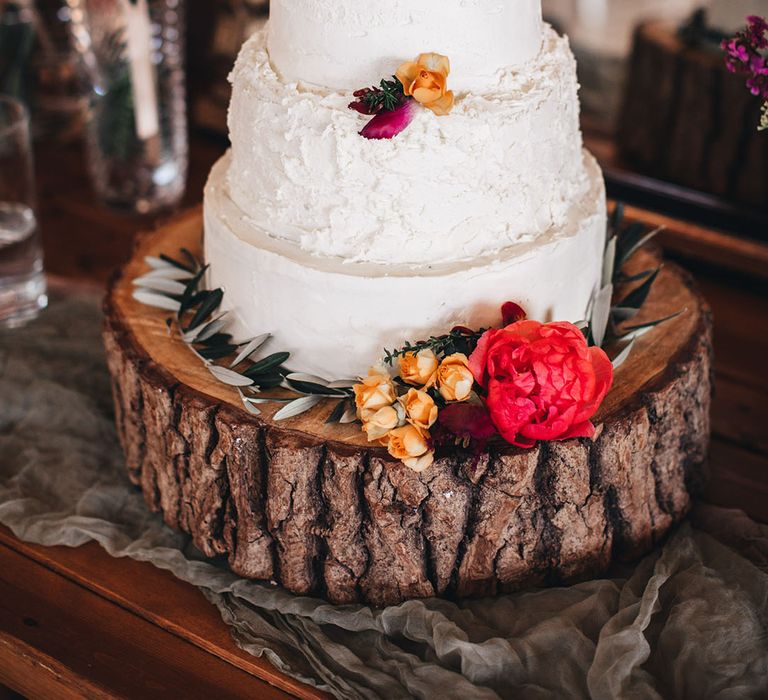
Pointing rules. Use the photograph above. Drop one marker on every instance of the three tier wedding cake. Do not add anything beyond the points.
(341, 245)
(407, 183)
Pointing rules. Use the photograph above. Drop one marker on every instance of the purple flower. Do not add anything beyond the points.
(745, 54)
(387, 125)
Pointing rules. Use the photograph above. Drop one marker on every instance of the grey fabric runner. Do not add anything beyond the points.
(689, 621)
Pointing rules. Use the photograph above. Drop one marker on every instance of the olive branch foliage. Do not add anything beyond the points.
(178, 285)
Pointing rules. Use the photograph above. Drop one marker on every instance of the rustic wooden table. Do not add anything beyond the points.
(78, 623)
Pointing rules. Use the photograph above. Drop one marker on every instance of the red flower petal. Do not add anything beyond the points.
(467, 420)
(603, 370)
(580, 430)
(478, 360)
(512, 313)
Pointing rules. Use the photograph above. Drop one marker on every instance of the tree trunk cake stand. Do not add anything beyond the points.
(312, 507)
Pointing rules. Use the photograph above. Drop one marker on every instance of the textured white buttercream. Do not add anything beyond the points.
(501, 168)
(336, 317)
(347, 44)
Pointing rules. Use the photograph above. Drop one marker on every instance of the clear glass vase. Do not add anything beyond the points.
(132, 53)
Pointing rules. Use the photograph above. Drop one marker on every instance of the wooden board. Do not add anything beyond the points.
(129, 595)
(314, 508)
(59, 641)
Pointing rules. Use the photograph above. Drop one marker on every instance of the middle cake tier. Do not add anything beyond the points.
(336, 316)
(505, 166)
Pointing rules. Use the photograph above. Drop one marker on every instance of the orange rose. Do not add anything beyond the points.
(454, 378)
(420, 408)
(375, 392)
(425, 80)
(418, 369)
(411, 446)
(378, 424)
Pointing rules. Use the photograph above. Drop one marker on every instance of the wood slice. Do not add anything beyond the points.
(314, 508)
(687, 120)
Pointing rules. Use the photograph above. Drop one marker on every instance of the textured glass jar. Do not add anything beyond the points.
(22, 281)
(132, 52)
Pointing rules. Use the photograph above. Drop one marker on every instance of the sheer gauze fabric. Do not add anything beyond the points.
(689, 621)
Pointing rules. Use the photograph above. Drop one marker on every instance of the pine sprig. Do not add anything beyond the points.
(458, 340)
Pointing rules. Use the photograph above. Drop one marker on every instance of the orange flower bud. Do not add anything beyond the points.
(410, 445)
(425, 80)
(454, 378)
(418, 369)
(420, 408)
(375, 392)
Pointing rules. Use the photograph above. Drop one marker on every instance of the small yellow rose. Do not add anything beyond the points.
(410, 445)
(454, 378)
(425, 80)
(420, 408)
(418, 369)
(376, 391)
(379, 423)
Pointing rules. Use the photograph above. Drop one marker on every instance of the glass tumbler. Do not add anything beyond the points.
(22, 281)
(132, 53)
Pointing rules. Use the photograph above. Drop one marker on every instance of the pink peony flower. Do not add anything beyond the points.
(543, 382)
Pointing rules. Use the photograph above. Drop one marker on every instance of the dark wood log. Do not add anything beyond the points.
(687, 120)
(316, 509)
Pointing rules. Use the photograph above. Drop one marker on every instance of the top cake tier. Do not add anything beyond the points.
(346, 44)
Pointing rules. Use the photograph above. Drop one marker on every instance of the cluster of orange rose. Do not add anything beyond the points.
(401, 423)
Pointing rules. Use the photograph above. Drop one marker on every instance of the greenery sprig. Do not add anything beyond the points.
(387, 97)
(178, 286)
(607, 314)
(461, 340)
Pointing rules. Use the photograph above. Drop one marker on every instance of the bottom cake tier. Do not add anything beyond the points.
(314, 508)
(336, 317)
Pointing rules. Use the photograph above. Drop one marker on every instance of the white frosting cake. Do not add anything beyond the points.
(346, 44)
(340, 245)
(502, 165)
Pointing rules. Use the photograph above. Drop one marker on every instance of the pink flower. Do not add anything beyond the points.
(744, 54)
(387, 125)
(543, 382)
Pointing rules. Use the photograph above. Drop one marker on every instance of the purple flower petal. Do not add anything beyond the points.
(387, 125)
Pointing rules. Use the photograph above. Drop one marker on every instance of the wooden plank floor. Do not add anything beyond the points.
(78, 623)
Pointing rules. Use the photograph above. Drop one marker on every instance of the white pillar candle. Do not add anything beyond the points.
(139, 40)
